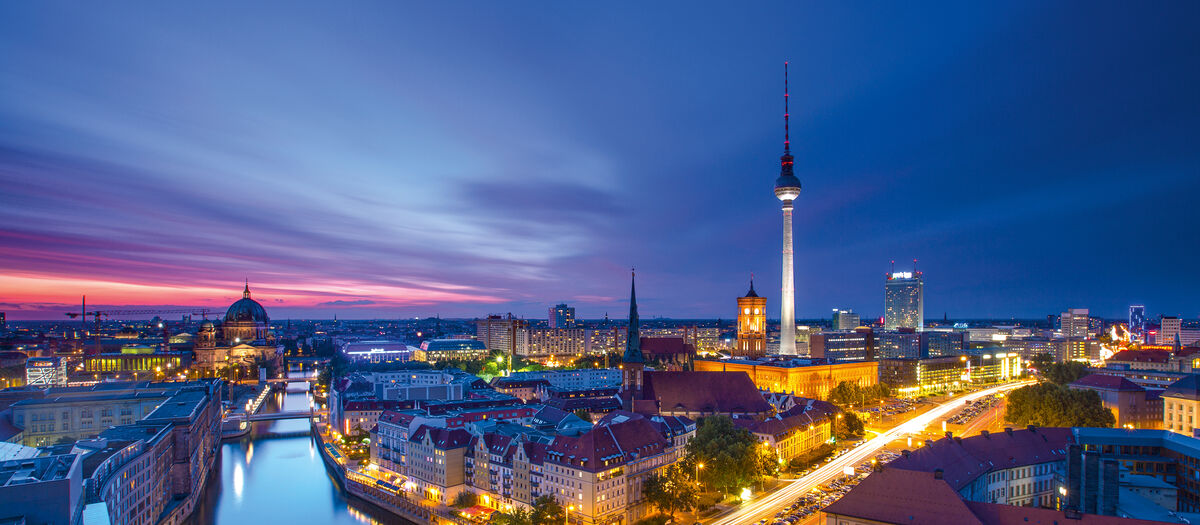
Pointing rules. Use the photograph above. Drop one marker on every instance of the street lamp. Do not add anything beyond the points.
(567, 515)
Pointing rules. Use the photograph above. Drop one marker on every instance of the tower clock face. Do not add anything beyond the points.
(756, 311)
(747, 311)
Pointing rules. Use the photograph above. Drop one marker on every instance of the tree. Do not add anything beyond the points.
(1051, 405)
(727, 452)
(670, 490)
(547, 511)
(583, 414)
(517, 516)
(848, 427)
(1042, 361)
(1066, 373)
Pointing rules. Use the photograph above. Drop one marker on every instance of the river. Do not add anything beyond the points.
(266, 479)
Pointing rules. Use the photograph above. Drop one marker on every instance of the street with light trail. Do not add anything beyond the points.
(771, 504)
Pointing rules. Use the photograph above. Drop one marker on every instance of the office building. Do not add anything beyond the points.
(562, 316)
(1073, 323)
(902, 344)
(552, 344)
(1137, 320)
(845, 320)
(500, 333)
(46, 371)
(938, 343)
(787, 188)
(935, 375)
(904, 301)
(751, 325)
(1168, 329)
(1131, 404)
(857, 345)
(436, 350)
(382, 351)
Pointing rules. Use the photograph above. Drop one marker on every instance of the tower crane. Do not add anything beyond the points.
(97, 314)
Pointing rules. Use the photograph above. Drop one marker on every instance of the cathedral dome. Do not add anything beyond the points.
(246, 310)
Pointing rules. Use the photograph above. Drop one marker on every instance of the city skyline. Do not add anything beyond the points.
(382, 176)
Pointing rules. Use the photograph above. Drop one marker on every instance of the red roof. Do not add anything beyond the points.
(618, 439)
(653, 346)
(1141, 356)
(997, 514)
(1107, 382)
(964, 460)
(704, 392)
(904, 496)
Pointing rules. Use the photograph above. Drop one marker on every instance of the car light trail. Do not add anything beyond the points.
(769, 505)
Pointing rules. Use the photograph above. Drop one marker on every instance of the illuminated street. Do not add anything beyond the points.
(768, 506)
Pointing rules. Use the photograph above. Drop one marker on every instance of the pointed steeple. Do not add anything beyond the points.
(751, 293)
(633, 340)
(246, 292)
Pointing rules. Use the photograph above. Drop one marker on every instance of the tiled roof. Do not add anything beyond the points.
(904, 496)
(617, 439)
(997, 514)
(1141, 356)
(443, 438)
(1107, 382)
(1186, 388)
(704, 392)
(811, 412)
(964, 460)
(653, 346)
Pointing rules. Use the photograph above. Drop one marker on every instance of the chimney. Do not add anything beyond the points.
(1008, 430)
(984, 433)
(937, 473)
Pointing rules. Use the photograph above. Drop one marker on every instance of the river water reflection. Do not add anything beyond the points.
(266, 479)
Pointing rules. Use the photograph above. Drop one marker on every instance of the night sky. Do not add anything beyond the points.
(382, 160)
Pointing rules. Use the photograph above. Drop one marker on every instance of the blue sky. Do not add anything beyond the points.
(394, 159)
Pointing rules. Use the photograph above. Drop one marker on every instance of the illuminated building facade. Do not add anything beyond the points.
(436, 350)
(902, 344)
(562, 316)
(752, 325)
(564, 344)
(1181, 405)
(845, 319)
(46, 371)
(858, 345)
(242, 339)
(917, 377)
(1074, 323)
(164, 363)
(500, 333)
(904, 301)
(1137, 320)
(803, 377)
(1168, 329)
(1131, 405)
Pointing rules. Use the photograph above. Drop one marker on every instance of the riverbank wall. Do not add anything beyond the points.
(369, 489)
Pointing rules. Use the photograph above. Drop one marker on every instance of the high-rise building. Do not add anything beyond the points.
(752, 325)
(845, 319)
(562, 316)
(900, 344)
(1168, 329)
(787, 188)
(1137, 319)
(857, 345)
(501, 333)
(1074, 323)
(904, 301)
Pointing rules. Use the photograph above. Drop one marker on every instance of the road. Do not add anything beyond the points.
(772, 503)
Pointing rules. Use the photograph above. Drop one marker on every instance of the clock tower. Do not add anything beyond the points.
(752, 325)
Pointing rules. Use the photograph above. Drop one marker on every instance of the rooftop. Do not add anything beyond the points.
(1107, 382)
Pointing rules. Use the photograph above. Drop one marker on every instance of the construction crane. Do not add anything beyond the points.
(97, 314)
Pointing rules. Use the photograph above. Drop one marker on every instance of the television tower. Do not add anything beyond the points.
(787, 188)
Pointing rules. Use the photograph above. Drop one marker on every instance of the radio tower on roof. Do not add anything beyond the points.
(787, 188)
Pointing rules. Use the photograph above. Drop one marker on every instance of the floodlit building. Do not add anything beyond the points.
(751, 325)
(812, 378)
(904, 301)
(845, 320)
(1073, 323)
(436, 350)
(916, 377)
(1181, 406)
(46, 371)
(1132, 405)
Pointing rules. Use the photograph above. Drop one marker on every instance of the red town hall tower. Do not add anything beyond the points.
(752, 325)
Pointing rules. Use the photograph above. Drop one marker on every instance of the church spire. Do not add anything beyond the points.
(633, 340)
(246, 292)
